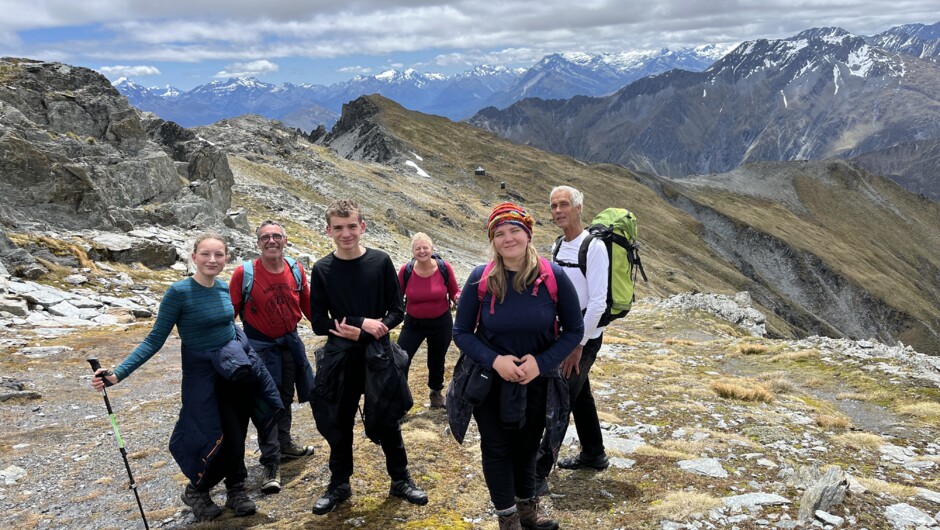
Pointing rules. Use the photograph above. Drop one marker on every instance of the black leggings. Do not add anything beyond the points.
(509, 454)
(438, 332)
(235, 403)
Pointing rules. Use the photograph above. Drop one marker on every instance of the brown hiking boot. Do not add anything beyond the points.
(291, 450)
(532, 517)
(271, 478)
(437, 399)
(510, 522)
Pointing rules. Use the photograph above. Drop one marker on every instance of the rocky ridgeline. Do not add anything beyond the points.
(74, 153)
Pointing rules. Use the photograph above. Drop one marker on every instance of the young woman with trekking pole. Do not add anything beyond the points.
(224, 382)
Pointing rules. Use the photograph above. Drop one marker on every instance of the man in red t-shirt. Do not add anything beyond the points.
(270, 313)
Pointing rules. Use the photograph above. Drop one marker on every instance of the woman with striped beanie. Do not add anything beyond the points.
(525, 319)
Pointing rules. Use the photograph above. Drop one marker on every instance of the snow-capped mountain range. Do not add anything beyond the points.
(823, 93)
(454, 96)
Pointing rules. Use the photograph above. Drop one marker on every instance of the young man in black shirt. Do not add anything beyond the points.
(354, 300)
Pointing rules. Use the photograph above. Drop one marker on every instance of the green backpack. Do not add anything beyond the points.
(616, 227)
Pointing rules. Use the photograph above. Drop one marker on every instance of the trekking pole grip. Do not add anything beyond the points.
(95, 366)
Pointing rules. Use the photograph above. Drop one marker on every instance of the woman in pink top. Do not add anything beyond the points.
(429, 286)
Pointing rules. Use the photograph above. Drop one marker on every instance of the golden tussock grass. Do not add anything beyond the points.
(630, 341)
(776, 382)
(752, 349)
(874, 485)
(795, 356)
(143, 453)
(682, 505)
(690, 447)
(679, 342)
(857, 396)
(926, 412)
(652, 450)
(832, 421)
(741, 389)
(859, 440)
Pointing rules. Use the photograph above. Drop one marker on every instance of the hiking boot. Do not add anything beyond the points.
(580, 462)
(331, 499)
(534, 518)
(204, 508)
(541, 487)
(406, 489)
(271, 478)
(437, 399)
(290, 450)
(510, 522)
(237, 500)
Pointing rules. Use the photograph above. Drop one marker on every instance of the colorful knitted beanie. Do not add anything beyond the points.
(508, 212)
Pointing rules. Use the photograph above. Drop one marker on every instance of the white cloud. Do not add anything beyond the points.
(128, 71)
(358, 70)
(247, 32)
(249, 69)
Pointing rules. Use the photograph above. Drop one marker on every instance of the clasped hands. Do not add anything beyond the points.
(373, 327)
(516, 370)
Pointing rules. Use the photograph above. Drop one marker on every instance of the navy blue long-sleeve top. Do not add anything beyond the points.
(521, 324)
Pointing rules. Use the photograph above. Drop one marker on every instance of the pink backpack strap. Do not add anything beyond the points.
(481, 290)
(547, 276)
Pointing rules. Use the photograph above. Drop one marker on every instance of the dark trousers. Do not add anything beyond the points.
(438, 332)
(235, 402)
(340, 438)
(509, 454)
(583, 408)
(270, 446)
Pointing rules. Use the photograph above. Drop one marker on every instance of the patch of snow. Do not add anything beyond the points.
(421, 172)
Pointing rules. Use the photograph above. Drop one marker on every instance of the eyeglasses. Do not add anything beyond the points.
(268, 237)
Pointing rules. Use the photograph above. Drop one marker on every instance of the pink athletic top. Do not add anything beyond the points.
(428, 297)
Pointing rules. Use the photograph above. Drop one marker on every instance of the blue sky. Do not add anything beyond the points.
(186, 43)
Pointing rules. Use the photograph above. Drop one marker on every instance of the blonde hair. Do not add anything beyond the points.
(421, 236)
(209, 235)
(496, 279)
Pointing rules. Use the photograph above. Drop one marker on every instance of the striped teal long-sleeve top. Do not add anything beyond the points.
(203, 316)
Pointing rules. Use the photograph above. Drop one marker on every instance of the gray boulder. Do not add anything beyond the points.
(74, 153)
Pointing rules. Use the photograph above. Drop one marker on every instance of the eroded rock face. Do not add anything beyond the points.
(74, 153)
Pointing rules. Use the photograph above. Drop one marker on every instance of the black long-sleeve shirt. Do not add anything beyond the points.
(355, 289)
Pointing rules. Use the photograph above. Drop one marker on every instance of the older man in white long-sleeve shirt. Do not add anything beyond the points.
(566, 205)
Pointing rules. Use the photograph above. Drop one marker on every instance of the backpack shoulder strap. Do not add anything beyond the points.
(481, 291)
(295, 270)
(556, 247)
(442, 267)
(583, 252)
(248, 279)
(409, 268)
(547, 277)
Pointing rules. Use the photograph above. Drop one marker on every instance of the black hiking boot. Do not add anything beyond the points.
(598, 463)
(237, 500)
(204, 508)
(406, 489)
(331, 499)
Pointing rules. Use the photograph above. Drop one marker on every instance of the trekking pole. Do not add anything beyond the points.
(95, 365)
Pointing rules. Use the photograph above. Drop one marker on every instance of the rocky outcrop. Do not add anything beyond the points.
(74, 153)
(359, 136)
